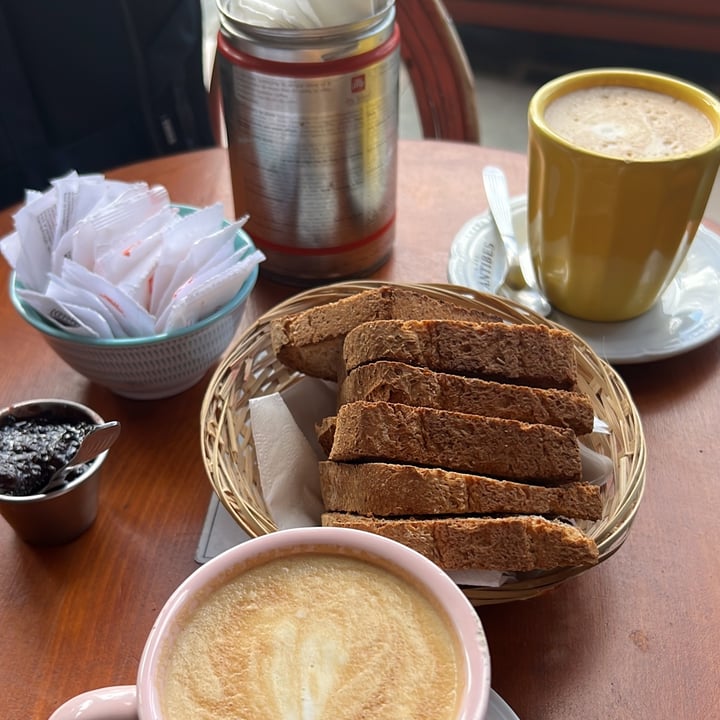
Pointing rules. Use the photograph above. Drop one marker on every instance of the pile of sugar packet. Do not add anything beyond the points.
(103, 258)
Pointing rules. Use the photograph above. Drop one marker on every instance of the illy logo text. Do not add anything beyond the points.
(357, 83)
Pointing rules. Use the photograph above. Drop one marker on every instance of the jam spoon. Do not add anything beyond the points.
(97, 440)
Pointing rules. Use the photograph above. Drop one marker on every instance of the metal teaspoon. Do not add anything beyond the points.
(519, 282)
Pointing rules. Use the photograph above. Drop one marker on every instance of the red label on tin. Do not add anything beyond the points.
(357, 83)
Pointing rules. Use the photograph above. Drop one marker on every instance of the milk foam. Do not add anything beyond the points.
(315, 637)
(629, 123)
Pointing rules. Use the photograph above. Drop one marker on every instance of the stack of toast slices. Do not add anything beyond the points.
(456, 433)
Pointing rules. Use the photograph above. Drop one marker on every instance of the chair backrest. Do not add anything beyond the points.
(438, 69)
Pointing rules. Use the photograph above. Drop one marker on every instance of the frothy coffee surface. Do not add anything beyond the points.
(629, 123)
(314, 637)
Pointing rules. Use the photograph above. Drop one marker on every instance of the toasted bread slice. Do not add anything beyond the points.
(507, 449)
(517, 543)
(397, 382)
(311, 341)
(534, 355)
(389, 489)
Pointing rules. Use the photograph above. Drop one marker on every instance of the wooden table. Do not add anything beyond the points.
(637, 637)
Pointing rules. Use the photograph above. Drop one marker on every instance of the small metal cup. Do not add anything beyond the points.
(61, 515)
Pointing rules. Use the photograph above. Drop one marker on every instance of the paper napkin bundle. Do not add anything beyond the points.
(300, 14)
(103, 258)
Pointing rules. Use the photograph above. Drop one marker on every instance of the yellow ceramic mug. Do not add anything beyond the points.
(608, 228)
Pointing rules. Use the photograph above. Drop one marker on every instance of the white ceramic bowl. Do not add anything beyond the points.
(151, 367)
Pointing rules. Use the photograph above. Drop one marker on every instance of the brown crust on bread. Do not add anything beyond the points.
(311, 341)
(533, 355)
(390, 490)
(397, 382)
(517, 543)
(501, 448)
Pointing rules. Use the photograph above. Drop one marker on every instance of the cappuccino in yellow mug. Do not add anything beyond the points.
(621, 165)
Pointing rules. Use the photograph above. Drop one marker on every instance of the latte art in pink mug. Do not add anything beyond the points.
(314, 624)
(314, 636)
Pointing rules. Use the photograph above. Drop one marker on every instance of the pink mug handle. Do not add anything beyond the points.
(109, 703)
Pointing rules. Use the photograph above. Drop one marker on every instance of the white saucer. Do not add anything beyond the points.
(498, 709)
(686, 316)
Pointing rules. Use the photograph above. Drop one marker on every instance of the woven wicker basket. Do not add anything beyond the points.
(250, 369)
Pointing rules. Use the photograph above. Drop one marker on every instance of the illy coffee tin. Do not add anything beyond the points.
(312, 126)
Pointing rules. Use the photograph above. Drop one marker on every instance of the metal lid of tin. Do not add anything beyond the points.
(306, 45)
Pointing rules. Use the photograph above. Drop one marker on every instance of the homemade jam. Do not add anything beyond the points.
(32, 449)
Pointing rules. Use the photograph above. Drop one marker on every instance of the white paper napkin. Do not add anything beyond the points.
(287, 459)
(300, 14)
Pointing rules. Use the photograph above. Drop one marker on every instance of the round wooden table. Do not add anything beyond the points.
(637, 637)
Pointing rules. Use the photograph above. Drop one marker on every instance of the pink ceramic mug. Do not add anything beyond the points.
(342, 628)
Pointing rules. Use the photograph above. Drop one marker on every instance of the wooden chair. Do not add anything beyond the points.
(438, 69)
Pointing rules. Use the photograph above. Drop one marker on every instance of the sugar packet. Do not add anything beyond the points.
(104, 258)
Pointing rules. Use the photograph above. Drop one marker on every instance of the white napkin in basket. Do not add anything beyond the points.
(287, 451)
